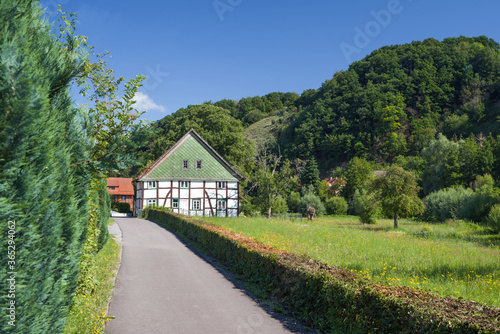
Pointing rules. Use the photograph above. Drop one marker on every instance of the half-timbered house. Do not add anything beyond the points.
(190, 178)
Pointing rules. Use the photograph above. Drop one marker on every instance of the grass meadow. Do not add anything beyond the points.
(456, 258)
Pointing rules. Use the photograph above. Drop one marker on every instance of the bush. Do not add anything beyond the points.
(293, 201)
(493, 218)
(460, 203)
(366, 206)
(279, 205)
(121, 207)
(311, 200)
(248, 209)
(336, 206)
(446, 204)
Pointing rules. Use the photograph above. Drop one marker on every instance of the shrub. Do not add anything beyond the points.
(446, 203)
(311, 200)
(293, 201)
(248, 209)
(336, 206)
(493, 218)
(366, 206)
(460, 203)
(121, 207)
(279, 205)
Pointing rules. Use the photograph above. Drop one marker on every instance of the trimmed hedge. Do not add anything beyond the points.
(326, 298)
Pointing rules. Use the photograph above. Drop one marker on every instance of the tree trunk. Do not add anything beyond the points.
(395, 220)
(269, 212)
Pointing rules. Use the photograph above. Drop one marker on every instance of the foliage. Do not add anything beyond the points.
(357, 174)
(336, 206)
(272, 178)
(121, 207)
(493, 218)
(398, 190)
(247, 208)
(311, 174)
(446, 203)
(311, 200)
(293, 201)
(42, 187)
(452, 163)
(461, 203)
(366, 205)
(394, 101)
(88, 312)
(279, 205)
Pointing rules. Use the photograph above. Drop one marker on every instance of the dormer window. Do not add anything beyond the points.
(185, 164)
(198, 164)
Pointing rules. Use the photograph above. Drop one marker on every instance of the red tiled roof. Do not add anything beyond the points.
(123, 186)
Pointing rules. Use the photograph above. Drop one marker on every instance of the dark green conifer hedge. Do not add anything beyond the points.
(43, 188)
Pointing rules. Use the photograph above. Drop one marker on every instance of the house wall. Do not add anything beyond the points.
(212, 200)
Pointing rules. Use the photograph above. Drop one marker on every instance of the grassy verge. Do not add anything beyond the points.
(88, 313)
(456, 259)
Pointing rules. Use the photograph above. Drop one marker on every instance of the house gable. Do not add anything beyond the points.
(193, 149)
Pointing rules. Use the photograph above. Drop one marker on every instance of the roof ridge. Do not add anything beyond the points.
(174, 147)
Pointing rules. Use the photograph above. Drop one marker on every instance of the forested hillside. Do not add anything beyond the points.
(393, 102)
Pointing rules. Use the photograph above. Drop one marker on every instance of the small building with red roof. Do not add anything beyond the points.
(121, 190)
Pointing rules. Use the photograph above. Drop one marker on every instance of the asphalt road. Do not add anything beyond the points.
(164, 287)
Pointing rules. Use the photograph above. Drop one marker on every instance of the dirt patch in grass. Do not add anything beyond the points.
(447, 309)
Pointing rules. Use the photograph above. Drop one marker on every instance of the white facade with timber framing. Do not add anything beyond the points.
(192, 179)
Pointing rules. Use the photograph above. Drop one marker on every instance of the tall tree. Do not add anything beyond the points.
(311, 175)
(272, 177)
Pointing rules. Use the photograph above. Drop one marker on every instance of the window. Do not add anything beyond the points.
(196, 204)
(221, 185)
(185, 164)
(151, 184)
(175, 203)
(111, 188)
(198, 164)
(151, 202)
(184, 184)
(221, 205)
(124, 197)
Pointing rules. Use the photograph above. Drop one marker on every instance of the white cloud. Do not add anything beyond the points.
(145, 103)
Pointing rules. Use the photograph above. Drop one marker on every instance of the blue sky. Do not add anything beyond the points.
(206, 50)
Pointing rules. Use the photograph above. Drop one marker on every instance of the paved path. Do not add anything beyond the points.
(163, 287)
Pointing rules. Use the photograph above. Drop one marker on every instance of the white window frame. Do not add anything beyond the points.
(175, 203)
(197, 204)
(185, 164)
(221, 207)
(151, 185)
(221, 185)
(151, 202)
(184, 184)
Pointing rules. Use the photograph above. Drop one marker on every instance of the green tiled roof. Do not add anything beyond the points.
(192, 149)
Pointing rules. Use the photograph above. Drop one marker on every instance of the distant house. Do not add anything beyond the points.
(121, 190)
(190, 178)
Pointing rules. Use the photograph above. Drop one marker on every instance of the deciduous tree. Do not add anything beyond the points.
(398, 190)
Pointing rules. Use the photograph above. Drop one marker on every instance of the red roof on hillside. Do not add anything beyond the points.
(122, 186)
